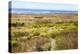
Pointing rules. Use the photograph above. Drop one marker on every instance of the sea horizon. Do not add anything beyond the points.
(39, 11)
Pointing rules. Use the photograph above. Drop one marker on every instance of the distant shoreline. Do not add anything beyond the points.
(38, 11)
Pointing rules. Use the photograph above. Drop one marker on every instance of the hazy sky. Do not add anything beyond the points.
(44, 6)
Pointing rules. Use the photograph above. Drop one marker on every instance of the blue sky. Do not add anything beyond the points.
(44, 6)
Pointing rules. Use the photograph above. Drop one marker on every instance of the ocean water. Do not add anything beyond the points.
(38, 11)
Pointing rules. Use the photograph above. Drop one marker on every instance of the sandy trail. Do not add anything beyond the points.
(53, 44)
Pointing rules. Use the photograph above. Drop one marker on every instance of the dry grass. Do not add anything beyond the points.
(34, 32)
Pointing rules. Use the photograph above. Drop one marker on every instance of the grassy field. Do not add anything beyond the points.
(43, 32)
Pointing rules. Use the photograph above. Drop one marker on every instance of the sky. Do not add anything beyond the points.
(44, 6)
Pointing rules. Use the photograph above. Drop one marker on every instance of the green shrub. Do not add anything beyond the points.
(35, 33)
(14, 43)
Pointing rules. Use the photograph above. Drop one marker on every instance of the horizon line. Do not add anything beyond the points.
(39, 9)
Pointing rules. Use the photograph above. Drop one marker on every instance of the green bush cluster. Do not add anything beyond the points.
(17, 24)
(50, 30)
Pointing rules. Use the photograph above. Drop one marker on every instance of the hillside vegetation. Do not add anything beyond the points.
(46, 32)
